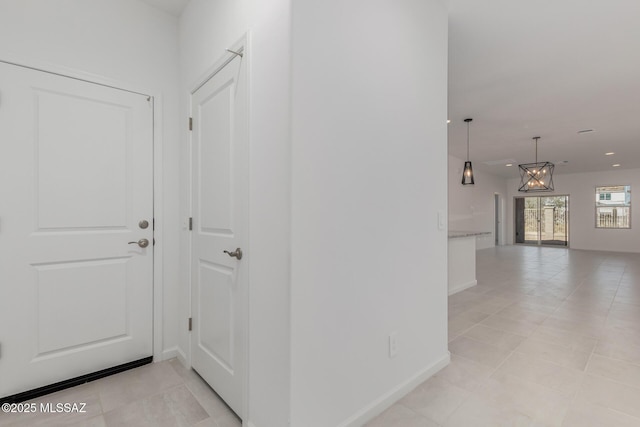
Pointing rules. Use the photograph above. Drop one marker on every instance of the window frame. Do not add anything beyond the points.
(597, 208)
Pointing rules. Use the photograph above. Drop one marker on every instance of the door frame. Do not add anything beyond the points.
(515, 214)
(498, 219)
(242, 46)
(157, 105)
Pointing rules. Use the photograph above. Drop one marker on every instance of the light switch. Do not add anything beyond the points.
(442, 220)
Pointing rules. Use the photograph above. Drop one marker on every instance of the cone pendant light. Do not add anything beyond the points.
(467, 173)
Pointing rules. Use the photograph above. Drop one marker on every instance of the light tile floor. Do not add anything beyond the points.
(156, 395)
(548, 337)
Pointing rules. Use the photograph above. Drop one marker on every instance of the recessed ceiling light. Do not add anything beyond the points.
(448, 121)
(610, 153)
(585, 131)
(616, 165)
(509, 164)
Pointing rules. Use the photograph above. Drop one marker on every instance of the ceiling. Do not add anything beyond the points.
(174, 7)
(545, 68)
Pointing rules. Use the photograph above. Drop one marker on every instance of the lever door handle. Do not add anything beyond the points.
(143, 243)
(235, 254)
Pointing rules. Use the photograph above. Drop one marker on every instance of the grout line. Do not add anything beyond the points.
(574, 286)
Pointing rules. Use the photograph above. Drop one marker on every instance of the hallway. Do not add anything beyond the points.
(161, 394)
(549, 337)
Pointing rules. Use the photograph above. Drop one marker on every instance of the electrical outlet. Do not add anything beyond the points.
(393, 344)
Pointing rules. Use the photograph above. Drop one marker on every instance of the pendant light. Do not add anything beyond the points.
(467, 173)
(536, 177)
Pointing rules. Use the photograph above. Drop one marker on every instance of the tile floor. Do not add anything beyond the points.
(157, 395)
(549, 337)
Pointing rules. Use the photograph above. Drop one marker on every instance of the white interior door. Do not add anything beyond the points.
(75, 180)
(220, 223)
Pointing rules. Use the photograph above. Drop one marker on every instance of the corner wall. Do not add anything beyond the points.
(126, 43)
(471, 207)
(369, 111)
(206, 29)
(581, 188)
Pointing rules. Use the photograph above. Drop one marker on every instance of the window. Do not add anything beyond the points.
(613, 206)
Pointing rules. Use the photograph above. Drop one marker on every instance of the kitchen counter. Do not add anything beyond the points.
(462, 259)
(460, 234)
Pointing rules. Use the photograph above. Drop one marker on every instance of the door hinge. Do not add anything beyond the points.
(190, 323)
(190, 123)
(190, 223)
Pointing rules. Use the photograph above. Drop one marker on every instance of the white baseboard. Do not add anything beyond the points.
(382, 403)
(174, 352)
(182, 357)
(462, 287)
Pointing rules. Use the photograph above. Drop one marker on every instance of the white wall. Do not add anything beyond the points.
(471, 207)
(581, 188)
(369, 137)
(206, 29)
(127, 43)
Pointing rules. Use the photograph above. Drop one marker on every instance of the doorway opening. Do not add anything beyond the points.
(220, 196)
(79, 298)
(497, 219)
(542, 220)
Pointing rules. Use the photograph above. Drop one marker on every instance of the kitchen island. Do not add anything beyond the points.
(462, 259)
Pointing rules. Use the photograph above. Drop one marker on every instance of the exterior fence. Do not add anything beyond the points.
(553, 223)
(612, 218)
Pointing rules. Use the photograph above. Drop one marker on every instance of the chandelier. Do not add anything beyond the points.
(536, 176)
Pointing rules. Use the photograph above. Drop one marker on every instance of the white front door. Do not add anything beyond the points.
(220, 223)
(75, 181)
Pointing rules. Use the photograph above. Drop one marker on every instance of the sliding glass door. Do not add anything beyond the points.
(542, 220)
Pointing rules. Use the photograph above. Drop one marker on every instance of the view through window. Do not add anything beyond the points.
(613, 206)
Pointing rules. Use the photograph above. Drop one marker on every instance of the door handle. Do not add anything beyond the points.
(235, 254)
(143, 243)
